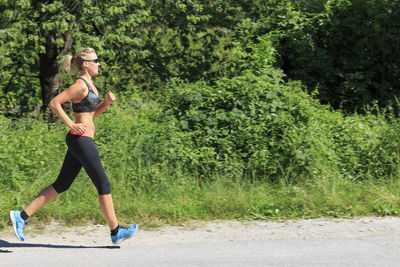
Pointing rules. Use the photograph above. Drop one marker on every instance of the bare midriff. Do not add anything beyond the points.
(87, 119)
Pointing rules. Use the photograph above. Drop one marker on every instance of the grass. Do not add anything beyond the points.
(188, 199)
(150, 189)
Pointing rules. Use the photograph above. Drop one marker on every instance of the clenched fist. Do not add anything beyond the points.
(110, 97)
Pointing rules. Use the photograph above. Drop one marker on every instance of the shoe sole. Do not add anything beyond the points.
(15, 226)
(122, 240)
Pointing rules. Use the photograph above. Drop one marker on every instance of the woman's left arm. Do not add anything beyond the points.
(110, 97)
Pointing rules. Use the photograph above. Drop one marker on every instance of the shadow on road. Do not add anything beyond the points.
(5, 244)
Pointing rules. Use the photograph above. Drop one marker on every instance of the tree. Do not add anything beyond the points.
(140, 44)
(56, 23)
(36, 34)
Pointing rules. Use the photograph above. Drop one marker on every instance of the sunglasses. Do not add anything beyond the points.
(93, 60)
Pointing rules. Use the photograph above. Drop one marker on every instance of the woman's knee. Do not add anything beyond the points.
(60, 188)
(104, 187)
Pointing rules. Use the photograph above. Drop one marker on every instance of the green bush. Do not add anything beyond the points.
(259, 127)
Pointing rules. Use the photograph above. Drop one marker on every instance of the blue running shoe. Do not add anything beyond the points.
(124, 233)
(18, 224)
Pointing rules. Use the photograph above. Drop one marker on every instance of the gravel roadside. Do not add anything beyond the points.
(198, 231)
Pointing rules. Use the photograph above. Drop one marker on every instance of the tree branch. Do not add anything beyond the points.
(28, 75)
(67, 43)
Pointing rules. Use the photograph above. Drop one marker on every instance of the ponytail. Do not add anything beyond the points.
(65, 64)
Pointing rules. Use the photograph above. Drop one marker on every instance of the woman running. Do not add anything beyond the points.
(82, 151)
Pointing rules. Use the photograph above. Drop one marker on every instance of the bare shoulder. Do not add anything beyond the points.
(79, 87)
(76, 91)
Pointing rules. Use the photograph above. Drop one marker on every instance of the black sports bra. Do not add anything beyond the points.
(89, 103)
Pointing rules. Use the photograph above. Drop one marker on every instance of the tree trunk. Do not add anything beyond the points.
(50, 76)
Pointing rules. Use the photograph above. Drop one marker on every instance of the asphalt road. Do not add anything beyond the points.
(360, 242)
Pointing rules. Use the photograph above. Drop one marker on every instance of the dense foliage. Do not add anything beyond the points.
(349, 52)
(345, 50)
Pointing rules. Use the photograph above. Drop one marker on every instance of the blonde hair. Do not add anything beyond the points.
(74, 64)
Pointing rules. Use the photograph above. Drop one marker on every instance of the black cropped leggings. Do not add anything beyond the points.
(82, 152)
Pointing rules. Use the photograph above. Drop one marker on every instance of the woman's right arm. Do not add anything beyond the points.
(73, 92)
